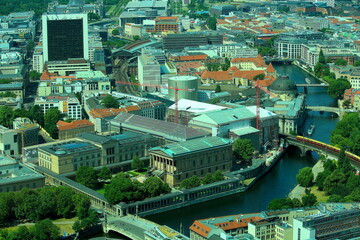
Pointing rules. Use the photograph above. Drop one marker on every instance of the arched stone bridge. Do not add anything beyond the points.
(325, 109)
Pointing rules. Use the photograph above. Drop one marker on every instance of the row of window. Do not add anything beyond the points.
(17, 188)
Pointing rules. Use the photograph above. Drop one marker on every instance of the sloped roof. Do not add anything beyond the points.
(108, 112)
(270, 68)
(61, 125)
(258, 61)
(225, 116)
(217, 75)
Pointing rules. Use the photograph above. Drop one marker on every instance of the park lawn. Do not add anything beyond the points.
(64, 224)
(321, 196)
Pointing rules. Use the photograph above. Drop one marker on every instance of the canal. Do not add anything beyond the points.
(275, 184)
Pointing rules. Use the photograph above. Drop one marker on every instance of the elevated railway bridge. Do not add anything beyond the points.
(307, 145)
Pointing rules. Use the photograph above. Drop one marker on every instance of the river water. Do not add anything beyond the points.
(275, 184)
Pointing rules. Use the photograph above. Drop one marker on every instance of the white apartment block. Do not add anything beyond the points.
(70, 106)
(148, 71)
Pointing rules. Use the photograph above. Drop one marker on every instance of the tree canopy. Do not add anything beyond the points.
(51, 117)
(340, 62)
(110, 102)
(191, 182)
(305, 177)
(243, 149)
(86, 176)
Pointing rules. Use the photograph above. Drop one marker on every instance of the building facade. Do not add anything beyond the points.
(65, 36)
(197, 157)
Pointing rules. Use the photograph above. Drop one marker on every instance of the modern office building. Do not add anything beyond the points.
(182, 40)
(65, 36)
(197, 157)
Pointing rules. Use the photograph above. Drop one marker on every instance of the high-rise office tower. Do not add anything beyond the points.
(65, 36)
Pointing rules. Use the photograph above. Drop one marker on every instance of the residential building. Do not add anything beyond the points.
(65, 36)
(197, 157)
(70, 130)
(66, 103)
(15, 176)
(166, 131)
(132, 29)
(9, 142)
(353, 95)
(165, 24)
(289, 47)
(244, 64)
(264, 229)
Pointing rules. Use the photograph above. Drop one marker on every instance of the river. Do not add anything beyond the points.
(275, 184)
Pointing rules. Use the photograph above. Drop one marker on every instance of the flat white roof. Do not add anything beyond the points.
(195, 106)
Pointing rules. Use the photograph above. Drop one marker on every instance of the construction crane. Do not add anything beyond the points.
(258, 117)
(176, 89)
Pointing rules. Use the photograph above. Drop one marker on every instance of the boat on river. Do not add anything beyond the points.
(311, 130)
(307, 80)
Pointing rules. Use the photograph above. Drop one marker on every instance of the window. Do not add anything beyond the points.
(15, 138)
(7, 147)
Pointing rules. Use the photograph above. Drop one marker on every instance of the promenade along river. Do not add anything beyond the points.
(275, 184)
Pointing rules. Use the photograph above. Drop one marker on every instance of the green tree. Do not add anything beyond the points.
(336, 88)
(211, 23)
(36, 114)
(309, 200)
(212, 66)
(318, 69)
(153, 186)
(122, 189)
(82, 206)
(86, 176)
(280, 203)
(320, 179)
(340, 62)
(6, 205)
(34, 75)
(322, 58)
(115, 32)
(5, 116)
(346, 103)
(64, 201)
(26, 202)
(136, 37)
(354, 196)
(104, 174)
(212, 177)
(191, 182)
(260, 76)
(344, 164)
(332, 181)
(243, 149)
(218, 88)
(305, 177)
(110, 102)
(77, 226)
(22, 233)
(335, 198)
(45, 230)
(93, 16)
(51, 117)
(5, 81)
(356, 64)
(137, 164)
(347, 133)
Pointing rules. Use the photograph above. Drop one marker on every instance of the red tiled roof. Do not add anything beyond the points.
(242, 223)
(217, 75)
(200, 229)
(270, 68)
(248, 74)
(61, 125)
(258, 61)
(193, 57)
(108, 112)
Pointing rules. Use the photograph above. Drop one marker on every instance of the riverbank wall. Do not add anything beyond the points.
(187, 197)
(296, 63)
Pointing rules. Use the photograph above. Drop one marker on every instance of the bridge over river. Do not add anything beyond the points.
(307, 144)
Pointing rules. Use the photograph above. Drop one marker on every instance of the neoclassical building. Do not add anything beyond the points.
(182, 160)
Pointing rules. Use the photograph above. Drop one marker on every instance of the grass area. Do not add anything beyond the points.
(248, 181)
(102, 191)
(320, 195)
(64, 224)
